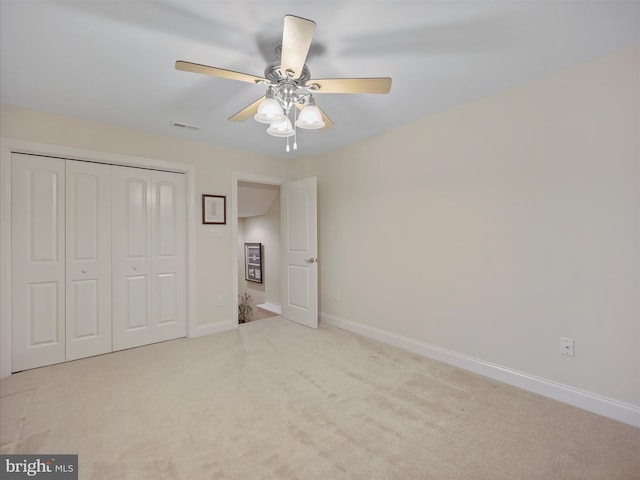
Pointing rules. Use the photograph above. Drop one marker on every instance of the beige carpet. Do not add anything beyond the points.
(274, 400)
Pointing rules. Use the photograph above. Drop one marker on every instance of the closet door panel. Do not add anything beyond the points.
(132, 198)
(38, 261)
(136, 210)
(168, 252)
(88, 247)
(137, 293)
(43, 314)
(85, 306)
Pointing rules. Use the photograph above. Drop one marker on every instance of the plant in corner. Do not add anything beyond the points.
(244, 308)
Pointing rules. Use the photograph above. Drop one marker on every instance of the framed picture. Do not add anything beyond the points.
(253, 262)
(214, 209)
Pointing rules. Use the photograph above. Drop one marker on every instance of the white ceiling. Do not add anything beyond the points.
(113, 61)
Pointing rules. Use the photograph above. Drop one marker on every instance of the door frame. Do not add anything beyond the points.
(235, 178)
(8, 146)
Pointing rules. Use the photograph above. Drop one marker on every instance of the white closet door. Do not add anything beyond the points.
(149, 287)
(38, 261)
(168, 255)
(88, 318)
(131, 257)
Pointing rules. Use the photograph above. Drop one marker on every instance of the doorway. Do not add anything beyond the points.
(258, 251)
(299, 247)
(255, 219)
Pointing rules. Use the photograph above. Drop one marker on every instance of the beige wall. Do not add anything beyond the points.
(214, 167)
(495, 228)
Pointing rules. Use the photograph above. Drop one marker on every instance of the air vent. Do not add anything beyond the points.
(185, 125)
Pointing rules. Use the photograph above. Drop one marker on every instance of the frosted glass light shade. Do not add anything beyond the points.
(282, 129)
(269, 111)
(310, 118)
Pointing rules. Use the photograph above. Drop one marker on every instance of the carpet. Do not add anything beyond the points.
(276, 400)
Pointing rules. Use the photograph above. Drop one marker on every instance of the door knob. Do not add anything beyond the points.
(84, 270)
(311, 260)
(135, 268)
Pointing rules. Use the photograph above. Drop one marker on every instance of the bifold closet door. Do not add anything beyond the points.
(168, 255)
(61, 260)
(148, 241)
(38, 261)
(88, 285)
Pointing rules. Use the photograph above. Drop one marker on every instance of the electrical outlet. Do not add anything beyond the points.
(567, 346)
(336, 295)
(220, 300)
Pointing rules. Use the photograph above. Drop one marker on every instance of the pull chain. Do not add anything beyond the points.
(295, 129)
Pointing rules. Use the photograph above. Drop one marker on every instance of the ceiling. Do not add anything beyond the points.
(113, 61)
(255, 199)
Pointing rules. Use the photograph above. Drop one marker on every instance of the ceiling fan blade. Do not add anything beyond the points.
(328, 123)
(350, 85)
(246, 112)
(296, 40)
(217, 72)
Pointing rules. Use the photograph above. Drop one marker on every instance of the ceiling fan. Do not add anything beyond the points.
(289, 84)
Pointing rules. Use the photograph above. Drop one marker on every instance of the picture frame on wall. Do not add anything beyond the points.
(214, 209)
(253, 262)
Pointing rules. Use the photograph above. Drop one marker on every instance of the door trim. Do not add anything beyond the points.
(8, 146)
(235, 178)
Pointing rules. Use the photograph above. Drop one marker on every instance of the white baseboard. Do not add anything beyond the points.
(210, 328)
(270, 307)
(591, 402)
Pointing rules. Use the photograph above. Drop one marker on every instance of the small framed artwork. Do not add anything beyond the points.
(214, 209)
(253, 262)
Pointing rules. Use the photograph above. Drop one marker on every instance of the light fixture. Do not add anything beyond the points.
(310, 116)
(270, 111)
(281, 129)
(284, 96)
(276, 109)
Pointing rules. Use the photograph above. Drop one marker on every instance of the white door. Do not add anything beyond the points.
(38, 261)
(131, 257)
(88, 253)
(148, 211)
(168, 259)
(299, 240)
